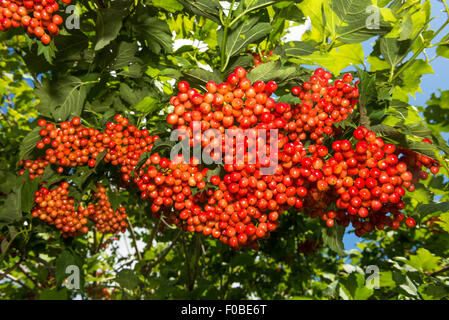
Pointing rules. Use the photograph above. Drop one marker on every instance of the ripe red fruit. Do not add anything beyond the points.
(410, 222)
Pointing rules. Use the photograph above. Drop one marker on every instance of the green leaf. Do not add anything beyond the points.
(147, 105)
(126, 55)
(444, 220)
(354, 16)
(338, 58)
(412, 75)
(64, 260)
(27, 194)
(355, 288)
(201, 77)
(49, 51)
(263, 71)
(156, 32)
(245, 33)
(207, 8)
(424, 260)
(169, 5)
(393, 50)
(431, 208)
(62, 99)
(115, 198)
(443, 51)
(54, 294)
(29, 143)
(11, 209)
(298, 48)
(367, 88)
(333, 238)
(127, 279)
(109, 23)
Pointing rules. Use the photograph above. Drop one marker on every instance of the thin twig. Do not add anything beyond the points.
(164, 254)
(29, 276)
(14, 279)
(197, 257)
(187, 259)
(99, 243)
(153, 233)
(133, 236)
(6, 272)
(433, 274)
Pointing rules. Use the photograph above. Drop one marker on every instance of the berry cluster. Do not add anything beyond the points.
(35, 168)
(57, 208)
(125, 144)
(359, 181)
(366, 181)
(259, 59)
(37, 17)
(70, 144)
(322, 104)
(104, 216)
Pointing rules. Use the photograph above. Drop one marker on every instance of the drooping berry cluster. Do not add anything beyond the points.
(57, 208)
(35, 168)
(104, 216)
(37, 17)
(359, 181)
(70, 144)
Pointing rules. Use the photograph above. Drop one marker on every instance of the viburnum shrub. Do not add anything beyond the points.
(37, 17)
(358, 180)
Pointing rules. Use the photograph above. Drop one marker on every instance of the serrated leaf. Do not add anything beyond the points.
(64, 260)
(444, 220)
(338, 58)
(270, 71)
(147, 105)
(333, 238)
(355, 287)
(207, 8)
(245, 33)
(11, 211)
(298, 48)
(27, 194)
(356, 23)
(169, 5)
(29, 143)
(127, 279)
(109, 23)
(155, 31)
(62, 99)
(424, 260)
(200, 76)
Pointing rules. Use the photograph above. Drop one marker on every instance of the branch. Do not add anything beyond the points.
(187, 259)
(163, 255)
(26, 273)
(6, 272)
(99, 243)
(153, 233)
(364, 119)
(14, 279)
(133, 235)
(197, 257)
(433, 274)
